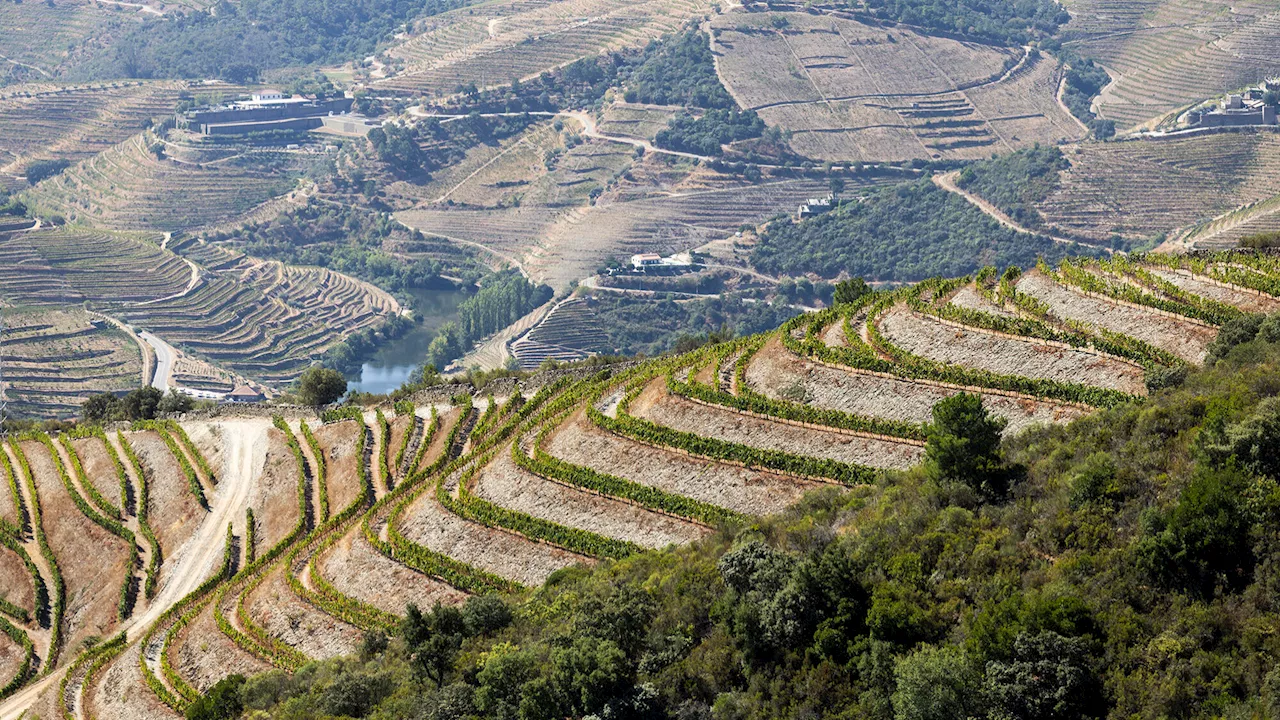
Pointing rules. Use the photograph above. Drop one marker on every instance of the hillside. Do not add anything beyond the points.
(363, 511)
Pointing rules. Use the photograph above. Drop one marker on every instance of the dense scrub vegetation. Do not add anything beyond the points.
(903, 233)
(1011, 22)
(344, 239)
(503, 298)
(1120, 566)
(638, 326)
(417, 151)
(239, 41)
(1015, 183)
(679, 70)
(705, 135)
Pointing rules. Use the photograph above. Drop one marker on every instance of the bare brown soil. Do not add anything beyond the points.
(777, 372)
(203, 655)
(99, 468)
(1243, 299)
(426, 523)
(174, 513)
(47, 704)
(746, 491)
(507, 484)
(400, 428)
(92, 560)
(1187, 340)
(437, 448)
(8, 507)
(658, 405)
(274, 606)
(11, 655)
(121, 693)
(208, 439)
(275, 496)
(359, 571)
(940, 342)
(338, 440)
(15, 581)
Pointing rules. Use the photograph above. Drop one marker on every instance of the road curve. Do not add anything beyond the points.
(165, 355)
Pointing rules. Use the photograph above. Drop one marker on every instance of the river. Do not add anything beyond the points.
(391, 366)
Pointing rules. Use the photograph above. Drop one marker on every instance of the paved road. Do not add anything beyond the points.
(165, 355)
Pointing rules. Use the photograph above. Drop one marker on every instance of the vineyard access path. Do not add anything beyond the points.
(947, 181)
(245, 450)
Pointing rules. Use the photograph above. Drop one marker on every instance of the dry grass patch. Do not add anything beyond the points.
(338, 441)
(99, 468)
(203, 655)
(16, 581)
(1247, 300)
(121, 693)
(503, 553)
(275, 608)
(174, 513)
(274, 498)
(658, 405)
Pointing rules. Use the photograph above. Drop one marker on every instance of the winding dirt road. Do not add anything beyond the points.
(245, 451)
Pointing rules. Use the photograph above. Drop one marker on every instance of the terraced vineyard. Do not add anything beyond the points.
(1166, 54)
(559, 248)
(76, 122)
(47, 39)
(520, 39)
(262, 319)
(853, 92)
(1140, 189)
(116, 188)
(336, 523)
(229, 315)
(55, 359)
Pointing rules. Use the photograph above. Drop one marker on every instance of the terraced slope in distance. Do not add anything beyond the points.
(853, 92)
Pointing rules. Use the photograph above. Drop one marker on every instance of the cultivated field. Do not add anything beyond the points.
(518, 40)
(854, 92)
(1141, 189)
(116, 188)
(55, 359)
(358, 516)
(1166, 54)
(76, 122)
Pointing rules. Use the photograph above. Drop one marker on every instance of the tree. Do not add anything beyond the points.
(1049, 678)
(936, 684)
(141, 404)
(175, 402)
(320, 386)
(99, 408)
(851, 290)
(963, 445)
(1203, 542)
(1255, 441)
